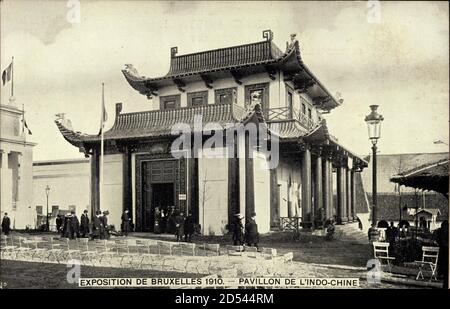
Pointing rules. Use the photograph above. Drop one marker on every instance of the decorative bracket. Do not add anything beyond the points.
(268, 35)
(207, 80)
(237, 77)
(180, 84)
(173, 52)
(272, 73)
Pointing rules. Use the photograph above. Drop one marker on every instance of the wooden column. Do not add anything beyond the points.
(332, 206)
(353, 195)
(127, 194)
(326, 188)
(348, 191)
(306, 187)
(249, 181)
(344, 194)
(341, 195)
(318, 198)
(95, 169)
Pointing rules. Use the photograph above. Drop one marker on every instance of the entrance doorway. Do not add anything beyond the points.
(160, 200)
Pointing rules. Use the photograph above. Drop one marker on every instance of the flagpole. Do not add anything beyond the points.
(102, 146)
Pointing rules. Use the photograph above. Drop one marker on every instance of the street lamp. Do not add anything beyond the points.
(47, 192)
(373, 121)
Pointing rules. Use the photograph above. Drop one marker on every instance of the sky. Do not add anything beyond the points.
(393, 54)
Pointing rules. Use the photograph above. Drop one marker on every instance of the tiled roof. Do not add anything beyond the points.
(388, 205)
(229, 57)
(431, 176)
(288, 129)
(236, 57)
(160, 122)
(392, 164)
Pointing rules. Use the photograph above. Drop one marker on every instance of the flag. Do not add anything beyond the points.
(6, 75)
(25, 125)
(104, 116)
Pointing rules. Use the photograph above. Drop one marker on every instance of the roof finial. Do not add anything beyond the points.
(173, 51)
(268, 35)
(293, 39)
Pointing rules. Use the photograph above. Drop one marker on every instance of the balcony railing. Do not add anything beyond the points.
(286, 113)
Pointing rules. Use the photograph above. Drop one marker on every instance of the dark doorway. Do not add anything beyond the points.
(161, 196)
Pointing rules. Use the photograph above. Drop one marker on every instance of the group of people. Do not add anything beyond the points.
(247, 234)
(184, 226)
(70, 227)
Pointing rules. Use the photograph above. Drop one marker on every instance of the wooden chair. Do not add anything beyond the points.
(7, 247)
(107, 250)
(71, 249)
(251, 252)
(187, 248)
(211, 249)
(22, 247)
(55, 250)
(430, 257)
(381, 253)
(86, 252)
(35, 248)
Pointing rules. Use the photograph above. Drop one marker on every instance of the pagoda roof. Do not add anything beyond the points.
(239, 61)
(159, 123)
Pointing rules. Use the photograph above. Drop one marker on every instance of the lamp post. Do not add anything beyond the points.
(373, 121)
(47, 192)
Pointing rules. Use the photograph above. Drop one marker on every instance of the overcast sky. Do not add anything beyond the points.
(399, 63)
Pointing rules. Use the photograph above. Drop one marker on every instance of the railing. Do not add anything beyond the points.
(286, 113)
(290, 223)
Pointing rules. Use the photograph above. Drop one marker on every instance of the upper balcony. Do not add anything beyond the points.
(288, 113)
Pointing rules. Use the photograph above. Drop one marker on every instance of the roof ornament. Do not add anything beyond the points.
(292, 42)
(268, 35)
(173, 52)
(130, 69)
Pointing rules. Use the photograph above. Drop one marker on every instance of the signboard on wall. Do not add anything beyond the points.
(182, 197)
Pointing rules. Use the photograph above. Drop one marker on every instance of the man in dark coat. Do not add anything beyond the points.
(84, 226)
(251, 231)
(104, 220)
(75, 225)
(59, 223)
(189, 227)
(179, 226)
(391, 235)
(237, 227)
(97, 228)
(125, 222)
(6, 224)
(68, 227)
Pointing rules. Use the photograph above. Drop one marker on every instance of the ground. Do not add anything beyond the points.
(313, 257)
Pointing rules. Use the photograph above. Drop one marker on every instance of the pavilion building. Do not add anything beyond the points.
(256, 84)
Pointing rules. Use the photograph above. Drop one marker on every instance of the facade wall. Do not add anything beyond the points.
(262, 192)
(213, 195)
(16, 182)
(69, 183)
(111, 198)
(289, 182)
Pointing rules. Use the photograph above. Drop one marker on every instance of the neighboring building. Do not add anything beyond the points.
(69, 184)
(249, 84)
(401, 203)
(15, 167)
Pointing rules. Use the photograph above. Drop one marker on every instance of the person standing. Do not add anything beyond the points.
(373, 233)
(125, 222)
(59, 222)
(84, 226)
(237, 228)
(97, 231)
(251, 231)
(75, 225)
(68, 227)
(189, 227)
(104, 220)
(179, 226)
(6, 224)
(392, 234)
